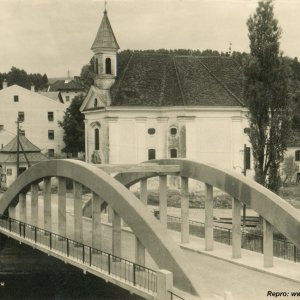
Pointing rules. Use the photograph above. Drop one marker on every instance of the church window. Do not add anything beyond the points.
(173, 131)
(22, 132)
(21, 116)
(297, 155)
(97, 139)
(151, 131)
(108, 65)
(173, 153)
(151, 154)
(95, 102)
(96, 66)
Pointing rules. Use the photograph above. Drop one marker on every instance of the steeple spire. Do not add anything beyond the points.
(105, 3)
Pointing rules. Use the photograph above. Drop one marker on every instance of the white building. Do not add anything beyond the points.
(39, 116)
(148, 105)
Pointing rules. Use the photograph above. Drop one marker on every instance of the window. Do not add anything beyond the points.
(22, 132)
(50, 116)
(97, 139)
(21, 116)
(96, 66)
(173, 153)
(67, 98)
(108, 65)
(16, 98)
(51, 153)
(95, 102)
(151, 131)
(9, 172)
(297, 155)
(51, 134)
(151, 154)
(247, 158)
(173, 131)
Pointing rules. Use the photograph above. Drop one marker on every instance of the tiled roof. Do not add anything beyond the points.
(105, 37)
(53, 95)
(63, 85)
(154, 79)
(12, 157)
(11, 147)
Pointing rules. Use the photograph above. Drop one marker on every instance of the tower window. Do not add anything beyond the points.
(173, 131)
(173, 153)
(96, 66)
(151, 154)
(21, 116)
(108, 65)
(297, 155)
(95, 102)
(151, 131)
(51, 134)
(97, 139)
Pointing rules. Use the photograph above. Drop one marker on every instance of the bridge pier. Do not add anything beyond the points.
(77, 190)
(47, 203)
(116, 234)
(22, 207)
(236, 228)
(268, 244)
(209, 218)
(163, 205)
(96, 222)
(34, 204)
(140, 253)
(185, 230)
(62, 190)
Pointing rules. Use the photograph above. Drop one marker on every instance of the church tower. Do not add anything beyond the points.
(105, 49)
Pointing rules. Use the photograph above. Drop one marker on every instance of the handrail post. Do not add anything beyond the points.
(209, 218)
(90, 255)
(9, 224)
(82, 253)
(68, 247)
(34, 234)
(236, 228)
(50, 241)
(134, 278)
(108, 266)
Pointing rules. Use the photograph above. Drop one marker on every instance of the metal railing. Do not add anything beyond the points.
(120, 268)
(250, 241)
(174, 296)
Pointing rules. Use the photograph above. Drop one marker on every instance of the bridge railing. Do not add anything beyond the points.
(250, 241)
(174, 296)
(125, 270)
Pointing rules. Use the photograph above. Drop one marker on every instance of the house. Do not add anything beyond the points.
(145, 105)
(29, 154)
(38, 116)
(68, 88)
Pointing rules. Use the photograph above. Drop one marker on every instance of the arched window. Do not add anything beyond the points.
(96, 66)
(173, 153)
(108, 65)
(95, 102)
(151, 131)
(173, 131)
(297, 155)
(151, 154)
(97, 139)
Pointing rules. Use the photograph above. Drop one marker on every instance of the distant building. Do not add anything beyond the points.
(68, 88)
(39, 116)
(150, 105)
(29, 154)
(293, 150)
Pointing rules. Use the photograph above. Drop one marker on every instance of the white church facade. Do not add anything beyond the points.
(147, 105)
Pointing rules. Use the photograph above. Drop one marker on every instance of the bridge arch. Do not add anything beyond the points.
(160, 246)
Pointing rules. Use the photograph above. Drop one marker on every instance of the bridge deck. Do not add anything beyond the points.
(215, 275)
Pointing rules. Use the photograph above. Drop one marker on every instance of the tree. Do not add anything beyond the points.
(87, 74)
(73, 125)
(267, 94)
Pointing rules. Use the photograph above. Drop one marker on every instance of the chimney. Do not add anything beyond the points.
(4, 84)
(32, 88)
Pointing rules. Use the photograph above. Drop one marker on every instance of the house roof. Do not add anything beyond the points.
(65, 85)
(105, 37)
(53, 95)
(27, 146)
(156, 79)
(12, 157)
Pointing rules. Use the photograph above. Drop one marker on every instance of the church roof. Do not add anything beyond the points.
(105, 37)
(11, 147)
(157, 79)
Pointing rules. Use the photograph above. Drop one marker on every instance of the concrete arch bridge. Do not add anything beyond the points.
(67, 240)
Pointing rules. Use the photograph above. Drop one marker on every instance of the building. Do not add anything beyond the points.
(29, 154)
(147, 105)
(38, 114)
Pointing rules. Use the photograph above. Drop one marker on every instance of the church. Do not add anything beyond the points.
(149, 105)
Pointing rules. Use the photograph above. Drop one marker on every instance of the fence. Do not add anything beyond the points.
(115, 266)
(254, 242)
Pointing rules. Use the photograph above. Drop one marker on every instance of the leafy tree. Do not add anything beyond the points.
(73, 125)
(289, 167)
(267, 93)
(87, 74)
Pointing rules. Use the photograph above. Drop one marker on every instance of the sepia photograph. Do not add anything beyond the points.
(149, 149)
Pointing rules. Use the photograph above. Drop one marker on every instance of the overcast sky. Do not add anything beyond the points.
(52, 36)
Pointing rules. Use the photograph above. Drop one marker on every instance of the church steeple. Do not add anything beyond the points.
(105, 49)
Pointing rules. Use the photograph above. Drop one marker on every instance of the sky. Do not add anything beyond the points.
(54, 36)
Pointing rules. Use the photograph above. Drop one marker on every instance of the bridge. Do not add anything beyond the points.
(159, 268)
